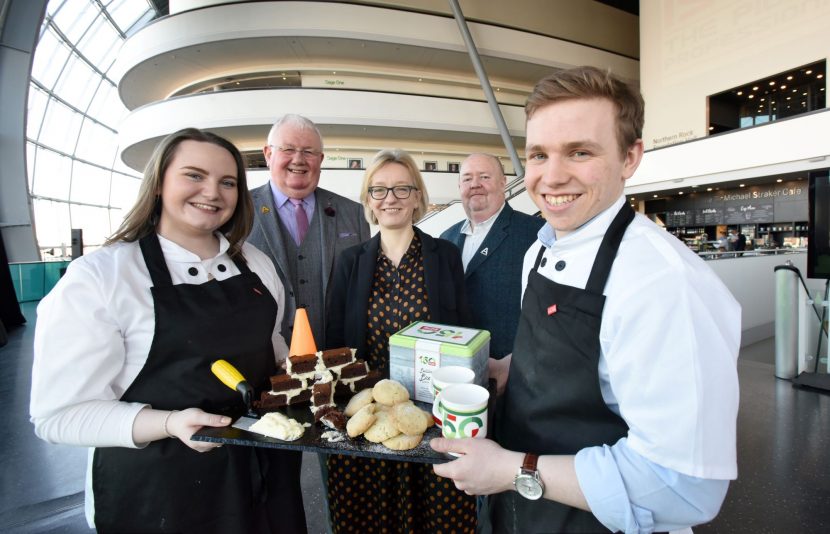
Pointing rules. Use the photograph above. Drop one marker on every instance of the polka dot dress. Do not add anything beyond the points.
(371, 495)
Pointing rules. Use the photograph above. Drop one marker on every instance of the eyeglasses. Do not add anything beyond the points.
(401, 192)
(290, 151)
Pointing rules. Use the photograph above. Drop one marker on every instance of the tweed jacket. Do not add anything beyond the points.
(494, 275)
(352, 283)
(343, 225)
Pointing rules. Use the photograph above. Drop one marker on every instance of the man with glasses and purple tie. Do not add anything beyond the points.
(300, 226)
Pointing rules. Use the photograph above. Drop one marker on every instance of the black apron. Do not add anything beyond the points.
(166, 486)
(552, 403)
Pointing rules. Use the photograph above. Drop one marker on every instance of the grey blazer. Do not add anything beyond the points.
(342, 225)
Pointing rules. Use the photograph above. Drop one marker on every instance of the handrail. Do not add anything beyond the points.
(719, 254)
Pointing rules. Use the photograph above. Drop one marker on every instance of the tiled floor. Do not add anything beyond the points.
(783, 443)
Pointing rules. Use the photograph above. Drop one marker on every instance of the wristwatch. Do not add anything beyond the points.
(528, 482)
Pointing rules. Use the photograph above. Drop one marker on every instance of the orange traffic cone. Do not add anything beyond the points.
(302, 340)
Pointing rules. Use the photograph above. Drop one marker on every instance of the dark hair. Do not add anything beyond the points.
(143, 217)
(591, 82)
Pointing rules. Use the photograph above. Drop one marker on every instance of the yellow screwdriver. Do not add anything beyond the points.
(231, 377)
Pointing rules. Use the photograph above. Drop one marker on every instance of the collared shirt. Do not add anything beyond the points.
(476, 236)
(669, 343)
(285, 209)
(93, 335)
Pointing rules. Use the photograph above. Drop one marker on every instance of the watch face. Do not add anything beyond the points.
(528, 487)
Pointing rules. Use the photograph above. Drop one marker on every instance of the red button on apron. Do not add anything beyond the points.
(551, 309)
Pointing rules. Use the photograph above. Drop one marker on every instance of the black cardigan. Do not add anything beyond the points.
(354, 271)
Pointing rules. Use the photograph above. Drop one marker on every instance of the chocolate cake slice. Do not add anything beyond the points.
(337, 357)
(285, 383)
(322, 394)
(354, 370)
(270, 402)
(331, 417)
(298, 365)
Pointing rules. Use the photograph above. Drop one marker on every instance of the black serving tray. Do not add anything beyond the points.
(312, 440)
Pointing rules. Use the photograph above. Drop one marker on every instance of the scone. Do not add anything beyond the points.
(361, 421)
(382, 429)
(409, 419)
(389, 392)
(403, 442)
(358, 401)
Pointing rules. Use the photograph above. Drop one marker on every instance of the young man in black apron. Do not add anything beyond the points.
(621, 395)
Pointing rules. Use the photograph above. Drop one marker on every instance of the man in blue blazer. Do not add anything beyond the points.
(493, 241)
(300, 226)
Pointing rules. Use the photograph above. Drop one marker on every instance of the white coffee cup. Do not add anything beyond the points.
(443, 377)
(464, 409)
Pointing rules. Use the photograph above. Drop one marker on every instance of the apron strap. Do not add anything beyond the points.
(608, 249)
(241, 264)
(154, 258)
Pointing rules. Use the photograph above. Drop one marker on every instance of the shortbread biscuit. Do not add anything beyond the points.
(428, 417)
(358, 401)
(409, 419)
(382, 429)
(389, 392)
(403, 442)
(361, 421)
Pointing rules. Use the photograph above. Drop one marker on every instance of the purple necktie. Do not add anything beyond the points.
(302, 219)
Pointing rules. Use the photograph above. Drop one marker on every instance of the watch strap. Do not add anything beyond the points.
(530, 462)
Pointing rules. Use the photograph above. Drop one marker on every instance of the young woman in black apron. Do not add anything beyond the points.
(193, 201)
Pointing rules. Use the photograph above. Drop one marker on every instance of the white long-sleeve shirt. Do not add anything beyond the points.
(94, 331)
(669, 343)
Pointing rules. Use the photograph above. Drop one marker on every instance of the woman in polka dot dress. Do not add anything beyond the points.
(400, 276)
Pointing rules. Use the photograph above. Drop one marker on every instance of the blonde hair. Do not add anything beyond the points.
(381, 160)
(143, 217)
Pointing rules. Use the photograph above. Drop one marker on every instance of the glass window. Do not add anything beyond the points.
(125, 13)
(53, 227)
(74, 17)
(50, 57)
(106, 107)
(786, 94)
(52, 174)
(101, 44)
(35, 110)
(78, 83)
(97, 144)
(124, 192)
(61, 126)
(95, 223)
(90, 184)
(31, 150)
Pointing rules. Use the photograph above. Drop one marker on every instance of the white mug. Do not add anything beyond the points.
(464, 409)
(443, 377)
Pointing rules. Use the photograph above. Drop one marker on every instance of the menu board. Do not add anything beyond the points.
(749, 213)
(709, 216)
(676, 218)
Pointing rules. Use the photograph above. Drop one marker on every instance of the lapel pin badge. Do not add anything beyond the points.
(484, 252)
(265, 209)
(551, 309)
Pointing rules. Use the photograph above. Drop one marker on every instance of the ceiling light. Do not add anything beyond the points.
(772, 82)
(680, 193)
(809, 72)
(789, 77)
(751, 96)
(708, 188)
(655, 196)
(779, 180)
(742, 185)
(334, 72)
(755, 88)
(633, 198)
(803, 94)
(783, 87)
(794, 90)
(711, 128)
(763, 99)
(740, 93)
(820, 76)
(788, 98)
(420, 79)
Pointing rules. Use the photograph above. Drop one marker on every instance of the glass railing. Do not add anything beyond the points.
(33, 280)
